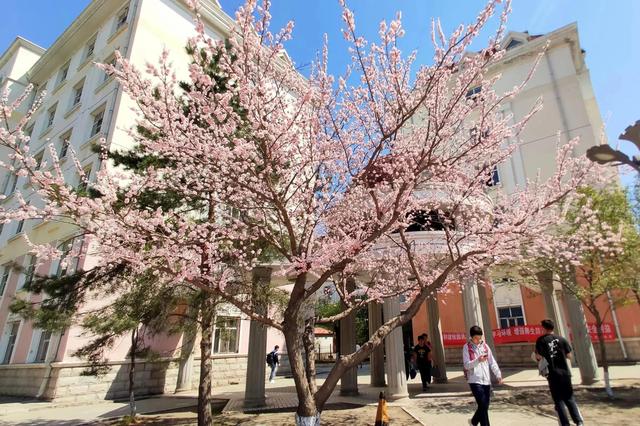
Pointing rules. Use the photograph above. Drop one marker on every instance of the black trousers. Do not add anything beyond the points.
(482, 394)
(562, 394)
(425, 373)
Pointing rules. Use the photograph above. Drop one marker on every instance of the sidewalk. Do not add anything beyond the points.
(443, 404)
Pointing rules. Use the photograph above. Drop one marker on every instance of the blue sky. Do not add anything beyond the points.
(609, 32)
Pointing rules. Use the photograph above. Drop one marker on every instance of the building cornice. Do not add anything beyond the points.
(15, 45)
(60, 50)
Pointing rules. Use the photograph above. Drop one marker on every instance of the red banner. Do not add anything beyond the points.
(523, 333)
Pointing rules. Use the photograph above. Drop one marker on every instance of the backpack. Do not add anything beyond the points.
(472, 356)
(270, 359)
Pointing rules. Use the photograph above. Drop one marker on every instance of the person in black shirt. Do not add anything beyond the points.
(556, 350)
(422, 358)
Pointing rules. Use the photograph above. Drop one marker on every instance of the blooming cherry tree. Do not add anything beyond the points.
(326, 174)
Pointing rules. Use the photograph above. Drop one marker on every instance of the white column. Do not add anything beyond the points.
(439, 370)
(486, 319)
(254, 395)
(349, 380)
(471, 305)
(585, 356)
(396, 375)
(377, 356)
(552, 305)
(185, 367)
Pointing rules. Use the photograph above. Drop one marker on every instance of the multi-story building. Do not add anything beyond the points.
(82, 105)
(570, 110)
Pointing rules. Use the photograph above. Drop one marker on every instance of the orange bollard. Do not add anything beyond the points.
(382, 417)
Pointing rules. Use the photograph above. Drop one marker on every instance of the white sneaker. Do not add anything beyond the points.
(272, 381)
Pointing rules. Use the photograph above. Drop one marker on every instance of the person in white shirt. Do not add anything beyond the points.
(479, 363)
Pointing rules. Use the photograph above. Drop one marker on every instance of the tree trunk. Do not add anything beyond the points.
(308, 338)
(307, 412)
(132, 373)
(205, 415)
(603, 352)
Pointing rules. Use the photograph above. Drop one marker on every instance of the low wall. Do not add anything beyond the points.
(66, 382)
(519, 354)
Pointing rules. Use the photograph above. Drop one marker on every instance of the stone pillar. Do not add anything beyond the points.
(582, 346)
(349, 380)
(552, 305)
(377, 356)
(439, 370)
(486, 319)
(254, 395)
(185, 367)
(394, 348)
(471, 305)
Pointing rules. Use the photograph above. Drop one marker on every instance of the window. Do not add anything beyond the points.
(83, 182)
(64, 263)
(30, 270)
(19, 227)
(111, 60)
(51, 115)
(64, 73)
(77, 93)
(28, 131)
(10, 336)
(510, 316)
(38, 158)
(10, 183)
(43, 346)
(91, 47)
(473, 92)
(122, 18)
(494, 179)
(98, 117)
(64, 145)
(4, 278)
(225, 338)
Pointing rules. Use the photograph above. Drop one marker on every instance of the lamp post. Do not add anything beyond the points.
(604, 154)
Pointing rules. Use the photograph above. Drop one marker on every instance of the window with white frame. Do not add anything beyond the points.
(77, 93)
(510, 316)
(64, 263)
(19, 227)
(225, 336)
(65, 140)
(91, 48)
(9, 337)
(38, 159)
(98, 118)
(44, 340)
(111, 60)
(473, 92)
(29, 270)
(51, 115)
(10, 183)
(121, 18)
(4, 278)
(494, 179)
(83, 181)
(64, 73)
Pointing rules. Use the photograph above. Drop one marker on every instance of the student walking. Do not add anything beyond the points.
(555, 350)
(478, 364)
(422, 358)
(273, 360)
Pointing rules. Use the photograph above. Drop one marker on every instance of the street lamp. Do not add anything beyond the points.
(604, 154)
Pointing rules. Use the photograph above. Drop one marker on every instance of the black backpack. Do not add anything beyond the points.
(270, 359)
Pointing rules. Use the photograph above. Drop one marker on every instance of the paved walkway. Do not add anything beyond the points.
(433, 407)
